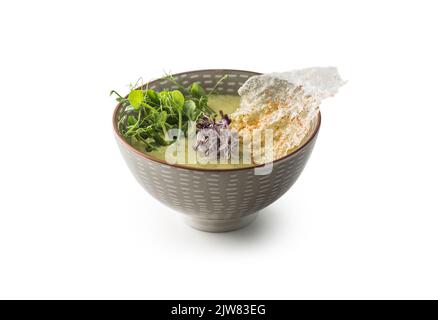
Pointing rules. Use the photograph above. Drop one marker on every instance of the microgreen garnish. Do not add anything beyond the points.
(214, 139)
(146, 115)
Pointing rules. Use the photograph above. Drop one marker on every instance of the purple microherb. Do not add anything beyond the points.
(214, 139)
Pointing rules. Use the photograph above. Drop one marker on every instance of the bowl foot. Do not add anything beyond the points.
(222, 225)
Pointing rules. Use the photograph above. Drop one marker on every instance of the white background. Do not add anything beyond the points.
(361, 222)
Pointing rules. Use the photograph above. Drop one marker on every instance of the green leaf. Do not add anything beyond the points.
(135, 98)
(159, 140)
(164, 97)
(178, 99)
(163, 117)
(153, 96)
(196, 90)
(189, 109)
(131, 120)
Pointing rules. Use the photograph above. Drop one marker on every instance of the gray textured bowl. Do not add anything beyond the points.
(215, 200)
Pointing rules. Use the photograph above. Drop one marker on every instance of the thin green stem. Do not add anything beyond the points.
(172, 79)
(115, 92)
(148, 106)
(135, 126)
(164, 130)
(217, 84)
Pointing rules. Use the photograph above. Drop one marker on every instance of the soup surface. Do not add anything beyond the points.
(228, 104)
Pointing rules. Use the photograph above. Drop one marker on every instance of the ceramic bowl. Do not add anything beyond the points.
(215, 200)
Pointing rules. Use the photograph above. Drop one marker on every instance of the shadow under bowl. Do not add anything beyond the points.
(215, 200)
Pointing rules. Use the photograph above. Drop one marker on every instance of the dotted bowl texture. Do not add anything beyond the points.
(215, 200)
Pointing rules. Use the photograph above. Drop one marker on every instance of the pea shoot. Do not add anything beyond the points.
(146, 115)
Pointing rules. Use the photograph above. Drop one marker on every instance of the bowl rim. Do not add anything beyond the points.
(186, 167)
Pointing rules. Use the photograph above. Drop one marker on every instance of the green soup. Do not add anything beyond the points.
(228, 104)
